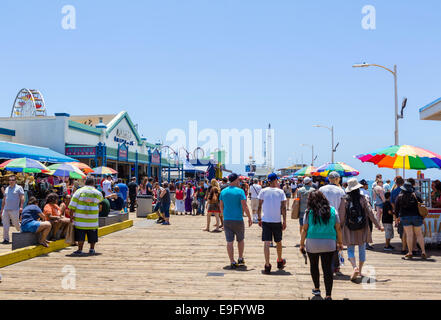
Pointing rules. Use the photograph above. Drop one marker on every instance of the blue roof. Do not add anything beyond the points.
(9, 150)
(430, 104)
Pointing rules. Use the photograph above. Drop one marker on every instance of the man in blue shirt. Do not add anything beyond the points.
(233, 202)
(124, 191)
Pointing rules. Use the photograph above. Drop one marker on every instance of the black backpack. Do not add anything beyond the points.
(355, 218)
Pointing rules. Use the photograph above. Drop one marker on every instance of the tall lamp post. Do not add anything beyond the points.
(333, 149)
(312, 148)
(394, 73)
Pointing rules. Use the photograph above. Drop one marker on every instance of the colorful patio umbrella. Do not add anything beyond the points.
(306, 171)
(82, 166)
(24, 165)
(405, 156)
(104, 170)
(66, 170)
(342, 168)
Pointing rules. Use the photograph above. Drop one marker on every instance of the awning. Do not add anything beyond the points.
(189, 167)
(9, 150)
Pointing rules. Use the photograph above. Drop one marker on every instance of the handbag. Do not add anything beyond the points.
(422, 209)
(295, 209)
(70, 234)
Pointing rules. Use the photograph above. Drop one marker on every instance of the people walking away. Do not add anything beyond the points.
(133, 191)
(255, 189)
(233, 202)
(396, 190)
(272, 201)
(354, 213)
(335, 196)
(302, 195)
(12, 207)
(165, 201)
(388, 221)
(406, 207)
(287, 190)
(30, 222)
(321, 229)
(364, 190)
(213, 206)
(85, 210)
(188, 200)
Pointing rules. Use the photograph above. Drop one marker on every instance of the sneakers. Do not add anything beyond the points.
(92, 251)
(388, 248)
(241, 261)
(316, 293)
(281, 264)
(267, 269)
(369, 247)
(234, 265)
(165, 223)
(6, 242)
(160, 220)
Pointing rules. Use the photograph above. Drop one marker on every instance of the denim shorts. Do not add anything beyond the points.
(31, 226)
(416, 221)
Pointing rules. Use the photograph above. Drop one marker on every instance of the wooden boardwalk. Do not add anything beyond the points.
(180, 261)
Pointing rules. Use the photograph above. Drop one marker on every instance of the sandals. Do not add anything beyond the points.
(423, 256)
(44, 244)
(407, 257)
(355, 274)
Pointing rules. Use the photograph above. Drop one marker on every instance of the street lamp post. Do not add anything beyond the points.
(394, 73)
(332, 137)
(312, 147)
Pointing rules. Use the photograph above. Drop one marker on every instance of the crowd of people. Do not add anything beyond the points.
(332, 215)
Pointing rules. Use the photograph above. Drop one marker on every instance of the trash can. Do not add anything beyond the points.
(144, 205)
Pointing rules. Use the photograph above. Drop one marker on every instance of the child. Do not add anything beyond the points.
(195, 206)
(388, 219)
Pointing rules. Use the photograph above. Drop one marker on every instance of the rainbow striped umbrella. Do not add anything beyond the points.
(82, 166)
(24, 165)
(306, 171)
(342, 168)
(405, 157)
(66, 170)
(104, 170)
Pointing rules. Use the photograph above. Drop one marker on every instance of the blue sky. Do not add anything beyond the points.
(234, 64)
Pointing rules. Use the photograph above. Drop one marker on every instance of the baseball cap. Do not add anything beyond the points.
(363, 182)
(334, 175)
(307, 180)
(233, 177)
(272, 177)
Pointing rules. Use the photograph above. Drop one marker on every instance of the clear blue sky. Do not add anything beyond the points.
(234, 64)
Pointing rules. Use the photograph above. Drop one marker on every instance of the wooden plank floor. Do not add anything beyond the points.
(150, 261)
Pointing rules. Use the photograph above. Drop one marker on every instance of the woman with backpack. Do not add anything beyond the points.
(354, 214)
(213, 205)
(321, 229)
(406, 206)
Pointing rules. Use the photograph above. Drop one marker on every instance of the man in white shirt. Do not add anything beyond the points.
(107, 186)
(272, 200)
(255, 189)
(12, 207)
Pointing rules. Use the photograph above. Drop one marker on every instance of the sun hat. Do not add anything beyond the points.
(353, 185)
(407, 186)
(272, 177)
(307, 180)
(334, 175)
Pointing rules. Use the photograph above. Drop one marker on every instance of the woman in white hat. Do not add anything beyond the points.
(354, 222)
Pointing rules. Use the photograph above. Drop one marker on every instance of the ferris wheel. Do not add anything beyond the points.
(28, 103)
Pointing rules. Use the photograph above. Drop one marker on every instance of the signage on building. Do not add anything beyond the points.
(156, 157)
(123, 152)
(80, 151)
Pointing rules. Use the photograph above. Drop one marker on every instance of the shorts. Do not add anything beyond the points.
(165, 209)
(254, 205)
(270, 230)
(31, 226)
(379, 205)
(234, 228)
(213, 208)
(416, 221)
(400, 230)
(388, 230)
(92, 235)
(301, 216)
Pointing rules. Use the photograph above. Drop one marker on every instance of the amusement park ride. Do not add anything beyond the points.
(28, 103)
